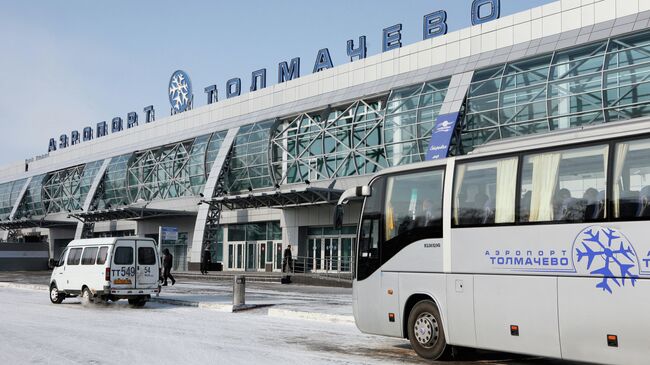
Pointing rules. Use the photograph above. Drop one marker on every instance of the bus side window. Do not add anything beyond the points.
(484, 192)
(564, 186)
(631, 190)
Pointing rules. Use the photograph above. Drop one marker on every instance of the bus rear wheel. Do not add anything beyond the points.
(425, 331)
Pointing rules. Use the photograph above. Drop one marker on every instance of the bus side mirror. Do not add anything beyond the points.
(338, 216)
(52, 264)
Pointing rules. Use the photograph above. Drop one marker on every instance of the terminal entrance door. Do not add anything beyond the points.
(251, 256)
(236, 253)
(331, 247)
(330, 252)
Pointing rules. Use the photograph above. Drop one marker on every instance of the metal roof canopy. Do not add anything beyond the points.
(34, 223)
(127, 213)
(281, 198)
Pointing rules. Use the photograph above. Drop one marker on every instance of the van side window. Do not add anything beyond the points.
(123, 256)
(89, 255)
(74, 256)
(146, 256)
(62, 258)
(101, 256)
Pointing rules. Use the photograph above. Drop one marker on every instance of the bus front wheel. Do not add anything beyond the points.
(426, 333)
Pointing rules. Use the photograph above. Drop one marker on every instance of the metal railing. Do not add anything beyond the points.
(335, 267)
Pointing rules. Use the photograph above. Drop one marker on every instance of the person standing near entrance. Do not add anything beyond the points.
(288, 261)
(206, 260)
(168, 259)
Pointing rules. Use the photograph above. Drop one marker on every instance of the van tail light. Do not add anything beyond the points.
(107, 275)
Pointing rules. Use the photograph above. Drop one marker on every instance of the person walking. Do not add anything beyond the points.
(206, 260)
(168, 259)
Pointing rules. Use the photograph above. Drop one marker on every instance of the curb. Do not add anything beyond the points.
(310, 316)
(4, 284)
(218, 307)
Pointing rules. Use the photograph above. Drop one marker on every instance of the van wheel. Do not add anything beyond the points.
(55, 296)
(425, 331)
(86, 296)
(138, 302)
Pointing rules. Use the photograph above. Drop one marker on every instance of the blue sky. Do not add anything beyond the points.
(72, 64)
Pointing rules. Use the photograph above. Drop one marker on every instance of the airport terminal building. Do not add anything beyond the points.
(248, 175)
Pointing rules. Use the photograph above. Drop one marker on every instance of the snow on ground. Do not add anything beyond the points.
(32, 330)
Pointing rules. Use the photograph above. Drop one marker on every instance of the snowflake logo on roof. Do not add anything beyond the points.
(606, 253)
(180, 92)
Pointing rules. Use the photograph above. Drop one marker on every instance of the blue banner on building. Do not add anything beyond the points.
(441, 136)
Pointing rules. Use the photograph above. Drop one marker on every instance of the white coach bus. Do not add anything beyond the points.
(537, 246)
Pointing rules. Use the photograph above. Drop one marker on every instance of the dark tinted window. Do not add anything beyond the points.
(123, 256)
(413, 206)
(413, 210)
(74, 256)
(368, 259)
(146, 256)
(89, 255)
(101, 256)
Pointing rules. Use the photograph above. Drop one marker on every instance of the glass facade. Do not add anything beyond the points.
(329, 143)
(259, 231)
(170, 171)
(588, 84)
(112, 190)
(8, 195)
(249, 167)
(358, 138)
(66, 190)
(32, 203)
(411, 114)
(600, 82)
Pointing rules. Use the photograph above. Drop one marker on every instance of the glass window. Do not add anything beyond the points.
(146, 256)
(413, 205)
(75, 256)
(62, 258)
(89, 255)
(236, 232)
(368, 256)
(123, 256)
(632, 179)
(101, 256)
(485, 192)
(564, 185)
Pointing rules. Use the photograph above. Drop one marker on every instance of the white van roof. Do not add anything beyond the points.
(104, 241)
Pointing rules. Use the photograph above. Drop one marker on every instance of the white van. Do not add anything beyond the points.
(101, 269)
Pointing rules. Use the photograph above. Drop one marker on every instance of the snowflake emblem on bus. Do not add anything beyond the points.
(180, 92)
(609, 254)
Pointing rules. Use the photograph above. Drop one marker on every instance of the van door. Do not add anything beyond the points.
(123, 271)
(147, 267)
